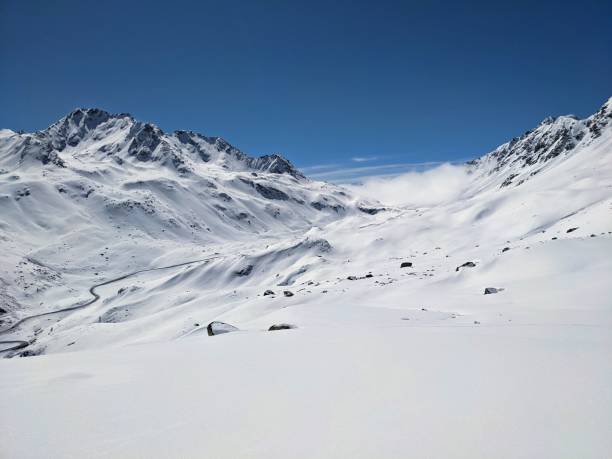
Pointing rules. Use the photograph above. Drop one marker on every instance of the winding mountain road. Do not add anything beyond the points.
(20, 344)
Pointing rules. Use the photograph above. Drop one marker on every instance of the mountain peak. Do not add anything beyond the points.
(100, 135)
(516, 161)
(90, 117)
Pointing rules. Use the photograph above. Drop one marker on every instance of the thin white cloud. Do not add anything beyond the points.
(358, 174)
(319, 167)
(363, 159)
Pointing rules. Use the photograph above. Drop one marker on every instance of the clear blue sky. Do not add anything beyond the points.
(320, 82)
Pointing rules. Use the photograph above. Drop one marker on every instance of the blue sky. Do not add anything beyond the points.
(348, 83)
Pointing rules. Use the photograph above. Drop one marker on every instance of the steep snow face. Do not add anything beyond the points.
(551, 142)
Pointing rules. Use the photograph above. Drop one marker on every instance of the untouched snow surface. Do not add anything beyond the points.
(384, 361)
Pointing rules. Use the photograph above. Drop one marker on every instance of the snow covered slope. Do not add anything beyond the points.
(394, 348)
(97, 195)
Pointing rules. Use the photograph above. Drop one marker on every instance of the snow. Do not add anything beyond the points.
(393, 362)
(391, 391)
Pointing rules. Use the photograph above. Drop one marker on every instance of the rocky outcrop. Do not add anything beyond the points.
(218, 328)
(527, 155)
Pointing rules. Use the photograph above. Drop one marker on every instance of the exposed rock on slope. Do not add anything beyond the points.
(119, 137)
(555, 138)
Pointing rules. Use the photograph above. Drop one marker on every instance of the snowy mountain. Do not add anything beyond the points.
(97, 195)
(94, 177)
(97, 135)
(552, 142)
(149, 237)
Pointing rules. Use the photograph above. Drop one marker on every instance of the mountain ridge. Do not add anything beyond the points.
(522, 157)
(144, 142)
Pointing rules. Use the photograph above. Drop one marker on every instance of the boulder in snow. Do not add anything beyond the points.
(406, 264)
(245, 271)
(281, 327)
(218, 328)
(468, 264)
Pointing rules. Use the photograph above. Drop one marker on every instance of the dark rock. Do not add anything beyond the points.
(226, 197)
(145, 139)
(468, 264)
(275, 164)
(368, 275)
(571, 230)
(218, 328)
(321, 205)
(593, 235)
(509, 179)
(3, 311)
(32, 352)
(269, 192)
(555, 238)
(245, 271)
(371, 210)
(287, 293)
(281, 327)
(187, 138)
(268, 292)
(352, 277)
(406, 264)
(505, 249)
(490, 290)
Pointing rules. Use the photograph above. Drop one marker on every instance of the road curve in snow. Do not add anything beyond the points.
(20, 344)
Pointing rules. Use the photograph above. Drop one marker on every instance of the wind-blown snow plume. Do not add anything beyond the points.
(429, 188)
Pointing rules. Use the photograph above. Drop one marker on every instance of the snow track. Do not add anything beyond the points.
(20, 344)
